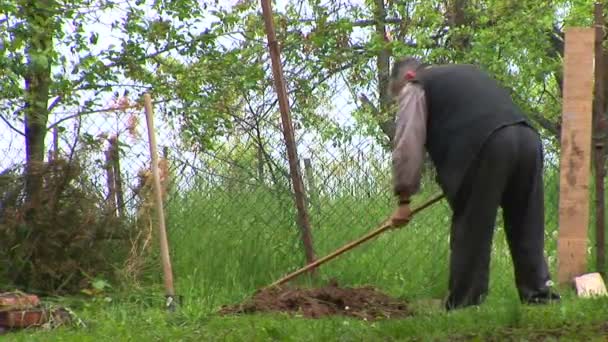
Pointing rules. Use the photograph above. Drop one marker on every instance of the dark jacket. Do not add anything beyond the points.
(465, 106)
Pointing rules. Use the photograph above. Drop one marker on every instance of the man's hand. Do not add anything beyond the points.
(401, 215)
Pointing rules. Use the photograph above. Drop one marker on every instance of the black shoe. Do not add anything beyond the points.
(543, 298)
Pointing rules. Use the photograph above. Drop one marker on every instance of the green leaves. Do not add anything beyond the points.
(208, 63)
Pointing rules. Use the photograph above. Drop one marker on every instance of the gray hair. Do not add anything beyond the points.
(400, 67)
(406, 64)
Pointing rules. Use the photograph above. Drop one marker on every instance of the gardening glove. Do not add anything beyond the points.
(401, 215)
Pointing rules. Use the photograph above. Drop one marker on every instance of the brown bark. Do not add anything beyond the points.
(459, 41)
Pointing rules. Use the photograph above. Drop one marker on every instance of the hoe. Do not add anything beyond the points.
(382, 228)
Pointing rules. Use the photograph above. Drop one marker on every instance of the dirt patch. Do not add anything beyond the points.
(363, 302)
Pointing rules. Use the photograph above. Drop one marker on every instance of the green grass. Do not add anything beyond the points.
(226, 245)
(134, 321)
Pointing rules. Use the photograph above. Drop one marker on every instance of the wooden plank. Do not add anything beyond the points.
(575, 153)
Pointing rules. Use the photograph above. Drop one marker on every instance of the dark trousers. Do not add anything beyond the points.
(506, 173)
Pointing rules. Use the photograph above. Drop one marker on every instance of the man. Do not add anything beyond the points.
(486, 155)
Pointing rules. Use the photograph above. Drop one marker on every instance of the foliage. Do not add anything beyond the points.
(208, 66)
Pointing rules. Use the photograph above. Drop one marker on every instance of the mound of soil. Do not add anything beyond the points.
(364, 302)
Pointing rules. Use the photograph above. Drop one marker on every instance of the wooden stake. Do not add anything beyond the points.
(599, 138)
(111, 181)
(164, 245)
(576, 154)
(292, 155)
(120, 201)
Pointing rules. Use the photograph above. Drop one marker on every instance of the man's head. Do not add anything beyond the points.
(402, 69)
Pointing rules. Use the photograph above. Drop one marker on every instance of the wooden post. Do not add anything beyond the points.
(313, 194)
(575, 153)
(296, 178)
(599, 138)
(164, 244)
(111, 181)
(115, 152)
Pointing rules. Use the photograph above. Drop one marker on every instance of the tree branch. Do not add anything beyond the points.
(118, 61)
(552, 127)
(556, 36)
(11, 126)
(387, 126)
(356, 23)
(102, 110)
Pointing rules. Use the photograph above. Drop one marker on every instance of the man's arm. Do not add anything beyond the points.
(410, 137)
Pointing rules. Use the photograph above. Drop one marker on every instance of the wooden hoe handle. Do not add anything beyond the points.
(382, 228)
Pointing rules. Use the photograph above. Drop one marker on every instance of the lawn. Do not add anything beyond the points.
(225, 245)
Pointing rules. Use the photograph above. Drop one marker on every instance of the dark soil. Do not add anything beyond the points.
(364, 302)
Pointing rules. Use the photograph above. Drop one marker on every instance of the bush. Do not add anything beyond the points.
(60, 244)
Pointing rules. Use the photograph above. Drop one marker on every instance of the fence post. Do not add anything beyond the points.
(312, 186)
(575, 160)
(296, 179)
(599, 138)
(111, 180)
(120, 202)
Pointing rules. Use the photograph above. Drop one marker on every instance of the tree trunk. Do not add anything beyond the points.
(39, 17)
(459, 41)
(383, 66)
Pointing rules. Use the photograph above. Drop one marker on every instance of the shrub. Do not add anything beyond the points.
(65, 241)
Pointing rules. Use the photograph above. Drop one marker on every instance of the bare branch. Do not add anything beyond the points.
(11, 126)
(387, 126)
(118, 62)
(102, 110)
(552, 127)
(356, 23)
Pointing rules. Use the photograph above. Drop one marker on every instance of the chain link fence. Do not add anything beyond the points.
(230, 208)
(236, 202)
(231, 213)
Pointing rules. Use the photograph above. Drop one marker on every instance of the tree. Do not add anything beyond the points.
(54, 60)
(60, 61)
(520, 43)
